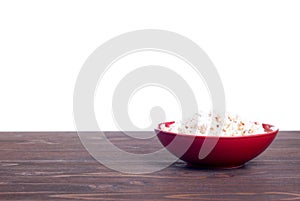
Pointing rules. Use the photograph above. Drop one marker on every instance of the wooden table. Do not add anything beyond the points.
(55, 166)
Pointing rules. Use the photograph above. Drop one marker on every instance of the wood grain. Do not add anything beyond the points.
(55, 166)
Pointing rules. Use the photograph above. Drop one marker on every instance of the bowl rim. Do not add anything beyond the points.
(272, 132)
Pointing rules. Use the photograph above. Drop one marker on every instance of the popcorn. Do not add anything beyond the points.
(203, 124)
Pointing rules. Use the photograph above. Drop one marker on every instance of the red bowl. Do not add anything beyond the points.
(226, 152)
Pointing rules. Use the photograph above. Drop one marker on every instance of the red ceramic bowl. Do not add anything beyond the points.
(228, 152)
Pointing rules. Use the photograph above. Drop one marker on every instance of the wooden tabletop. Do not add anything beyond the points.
(55, 166)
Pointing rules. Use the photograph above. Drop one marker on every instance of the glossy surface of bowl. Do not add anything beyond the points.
(228, 152)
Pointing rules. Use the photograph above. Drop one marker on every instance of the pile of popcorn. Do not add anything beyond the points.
(204, 124)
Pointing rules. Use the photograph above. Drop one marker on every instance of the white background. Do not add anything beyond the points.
(255, 46)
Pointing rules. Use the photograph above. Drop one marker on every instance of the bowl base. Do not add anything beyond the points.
(201, 166)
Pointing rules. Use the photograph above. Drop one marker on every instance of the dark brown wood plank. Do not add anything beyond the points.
(55, 166)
